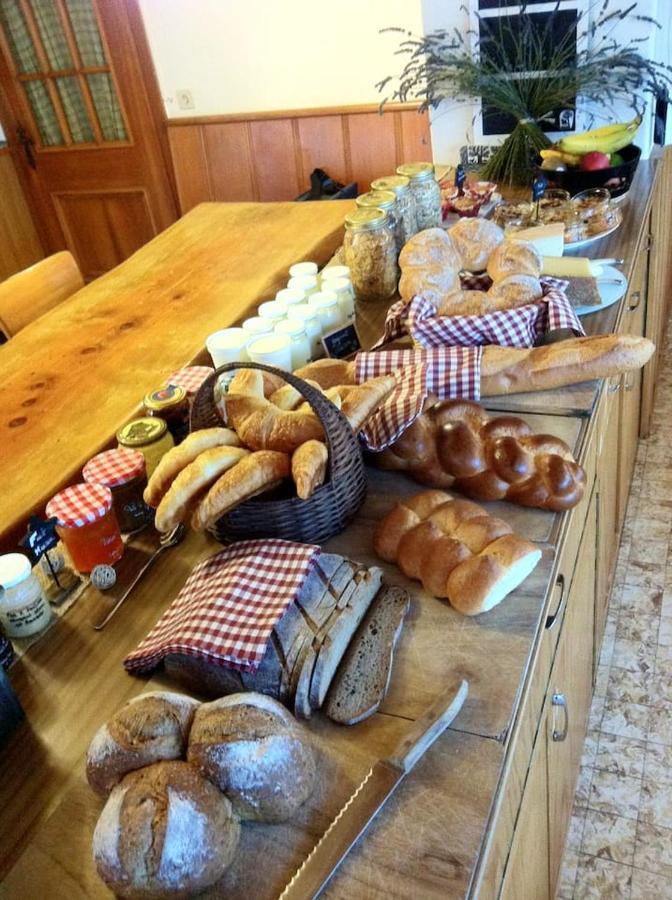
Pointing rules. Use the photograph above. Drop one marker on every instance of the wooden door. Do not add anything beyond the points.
(570, 693)
(526, 874)
(82, 114)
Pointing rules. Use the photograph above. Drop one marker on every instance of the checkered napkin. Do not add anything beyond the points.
(227, 609)
(447, 372)
(519, 327)
(190, 378)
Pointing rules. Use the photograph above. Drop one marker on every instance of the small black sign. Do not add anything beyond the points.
(342, 342)
(460, 176)
(539, 186)
(40, 538)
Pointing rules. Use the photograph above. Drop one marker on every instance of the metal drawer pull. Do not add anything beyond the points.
(635, 300)
(561, 700)
(630, 385)
(551, 621)
(613, 388)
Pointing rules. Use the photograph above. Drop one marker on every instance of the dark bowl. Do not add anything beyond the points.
(617, 178)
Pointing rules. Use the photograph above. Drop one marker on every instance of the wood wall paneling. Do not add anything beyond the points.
(20, 246)
(269, 156)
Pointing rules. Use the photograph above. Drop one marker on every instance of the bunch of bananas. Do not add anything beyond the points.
(609, 139)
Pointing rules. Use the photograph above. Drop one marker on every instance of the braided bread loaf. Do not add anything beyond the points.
(456, 549)
(456, 444)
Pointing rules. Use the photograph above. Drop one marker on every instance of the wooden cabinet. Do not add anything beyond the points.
(607, 438)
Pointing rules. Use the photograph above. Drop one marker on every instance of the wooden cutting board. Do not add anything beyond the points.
(74, 376)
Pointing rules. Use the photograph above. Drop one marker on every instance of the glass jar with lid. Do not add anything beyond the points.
(426, 193)
(371, 254)
(401, 185)
(312, 325)
(87, 524)
(171, 404)
(329, 272)
(123, 472)
(305, 283)
(387, 201)
(300, 346)
(24, 610)
(325, 304)
(148, 435)
(342, 287)
(289, 297)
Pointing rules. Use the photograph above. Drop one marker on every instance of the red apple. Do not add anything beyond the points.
(594, 160)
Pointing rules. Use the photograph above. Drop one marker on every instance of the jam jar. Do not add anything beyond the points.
(171, 404)
(190, 378)
(87, 525)
(123, 472)
(426, 192)
(148, 435)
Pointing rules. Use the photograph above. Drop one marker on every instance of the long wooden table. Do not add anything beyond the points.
(76, 375)
(429, 840)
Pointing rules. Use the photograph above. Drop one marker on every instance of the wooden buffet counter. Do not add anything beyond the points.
(486, 810)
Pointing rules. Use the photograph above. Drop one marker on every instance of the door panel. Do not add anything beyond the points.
(85, 126)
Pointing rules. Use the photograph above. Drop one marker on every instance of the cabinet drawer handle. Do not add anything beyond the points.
(613, 388)
(551, 621)
(561, 700)
(635, 300)
(630, 385)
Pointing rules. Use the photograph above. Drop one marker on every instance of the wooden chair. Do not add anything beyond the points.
(37, 289)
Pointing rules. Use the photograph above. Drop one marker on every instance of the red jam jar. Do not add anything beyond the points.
(190, 378)
(87, 525)
(123, 472)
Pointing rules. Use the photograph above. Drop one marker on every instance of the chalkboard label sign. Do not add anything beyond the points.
(342, 342)
(40, 538)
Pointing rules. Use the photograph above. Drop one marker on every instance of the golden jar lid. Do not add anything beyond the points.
(416, 171)
(397, 183)
(365, 219)
(165, 397)
(377, 200)
(141, 432)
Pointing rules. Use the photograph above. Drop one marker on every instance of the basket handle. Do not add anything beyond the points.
(321, 405)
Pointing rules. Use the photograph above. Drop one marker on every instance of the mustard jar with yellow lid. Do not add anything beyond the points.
(426, 192)
(171, 404)
(150, 436)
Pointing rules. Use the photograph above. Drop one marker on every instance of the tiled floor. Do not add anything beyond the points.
(620, 839)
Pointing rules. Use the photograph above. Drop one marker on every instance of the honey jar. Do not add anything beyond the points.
(150, 436)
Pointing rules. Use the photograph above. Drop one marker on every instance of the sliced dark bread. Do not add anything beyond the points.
(361, 681)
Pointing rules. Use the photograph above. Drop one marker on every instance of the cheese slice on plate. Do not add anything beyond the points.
(548, 239)
(567, 266)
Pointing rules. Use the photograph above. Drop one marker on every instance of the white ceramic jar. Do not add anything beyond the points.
(302, 268)
(325, 304)
(24, 610)
(311, 323)
(300, 347)
(346, 297)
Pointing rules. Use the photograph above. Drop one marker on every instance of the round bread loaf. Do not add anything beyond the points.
(433, 246)
(514, 291)
(164, 832)
(467, 303)
(515, 258)
(251, 748)
(149, 728)
(475, 240)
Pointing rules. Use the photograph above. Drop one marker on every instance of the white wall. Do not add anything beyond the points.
(254, 55)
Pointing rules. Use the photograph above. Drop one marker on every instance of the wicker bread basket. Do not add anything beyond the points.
(282, 514)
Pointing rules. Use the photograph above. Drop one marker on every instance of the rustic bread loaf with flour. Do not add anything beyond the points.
(149, 728)
(164, 832)
(456, 549)
(475, 240)
(254, 751)
(514, 257)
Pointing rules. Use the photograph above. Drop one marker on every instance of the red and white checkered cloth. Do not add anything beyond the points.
(229, 605)
(447, 372)
(190, 378)
(519, 327)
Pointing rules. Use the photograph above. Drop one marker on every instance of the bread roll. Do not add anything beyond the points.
(254, 751)
(149, 728)
(309, 467)
(515, 258)
(433, 246)
(431, 281)
(514, 291)
(467, 303)
(475, 240)
(164, 832)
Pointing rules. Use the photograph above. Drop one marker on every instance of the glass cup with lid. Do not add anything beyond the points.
(302, 268)
(312, 325)
(325, 304)
(401, 185)
(330, 272)
(342, 287)
(426, 192)
(300, 344)
(305, 283)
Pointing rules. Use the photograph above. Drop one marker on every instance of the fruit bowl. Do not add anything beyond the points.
(617, 178)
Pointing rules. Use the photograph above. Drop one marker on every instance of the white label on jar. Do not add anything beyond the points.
(22, 621)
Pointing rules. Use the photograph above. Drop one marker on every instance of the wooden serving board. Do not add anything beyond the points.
(77, 374)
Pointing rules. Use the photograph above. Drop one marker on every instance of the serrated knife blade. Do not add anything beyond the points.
(369, 797)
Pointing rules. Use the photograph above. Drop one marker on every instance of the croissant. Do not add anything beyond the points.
(455, 444)
(456, 549)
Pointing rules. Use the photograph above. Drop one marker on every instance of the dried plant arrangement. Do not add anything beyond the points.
(520, 71)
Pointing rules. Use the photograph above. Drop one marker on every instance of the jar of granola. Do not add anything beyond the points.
(387, 201)
(401, 185)
(371, 253)
(426, 192)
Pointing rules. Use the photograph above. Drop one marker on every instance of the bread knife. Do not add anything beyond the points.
(369, 797)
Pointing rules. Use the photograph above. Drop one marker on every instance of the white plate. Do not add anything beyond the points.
(610, 293)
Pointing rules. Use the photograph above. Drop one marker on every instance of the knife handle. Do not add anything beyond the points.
(427, 729)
